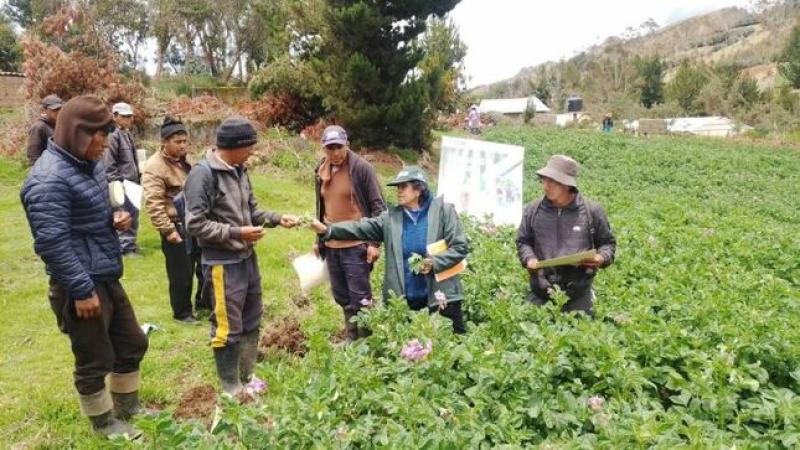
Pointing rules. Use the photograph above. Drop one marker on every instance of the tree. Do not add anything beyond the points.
(789, 65)
(651, 84)
(10, 52)
(123, 24)
(30, 12)
(443, 65)
(369, 69)
(685, 87)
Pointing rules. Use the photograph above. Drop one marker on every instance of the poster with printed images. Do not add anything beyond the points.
(482, 178)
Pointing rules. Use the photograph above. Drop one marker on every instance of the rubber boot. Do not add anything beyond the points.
(128, 405)
(247, 356)
(106, 425)
(98, 407)
(350, 327)
(227, 359)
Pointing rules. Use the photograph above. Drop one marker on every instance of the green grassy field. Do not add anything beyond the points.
(696, 343)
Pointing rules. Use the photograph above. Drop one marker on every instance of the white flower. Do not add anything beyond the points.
(441, 299)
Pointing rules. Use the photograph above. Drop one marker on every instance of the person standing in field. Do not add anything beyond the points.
(346, 189)
(122, 163)
(67, 204)
(222, 213)
(42, 129)
(418, 222)
(562, 223)
(474, 120)
(163, 178)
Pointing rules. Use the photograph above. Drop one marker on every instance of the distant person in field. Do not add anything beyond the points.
(608, 123)
(163, 178)
(562, 223)
(347, 188)
(418, 220)
(474, 120)
(67, 204)
(42, 129)
(122, 163)
(222, 213)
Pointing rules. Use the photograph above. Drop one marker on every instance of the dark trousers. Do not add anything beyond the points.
(181, 267)
(112, 342)
(452, 311)
(581, 302)
(127, 239)
(349, 274)
(235, 294)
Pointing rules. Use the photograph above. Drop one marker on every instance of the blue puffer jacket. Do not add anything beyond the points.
(69, 212)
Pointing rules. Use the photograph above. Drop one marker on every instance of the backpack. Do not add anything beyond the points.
(180, 206)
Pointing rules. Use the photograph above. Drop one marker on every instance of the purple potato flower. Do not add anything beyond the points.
(414, 350)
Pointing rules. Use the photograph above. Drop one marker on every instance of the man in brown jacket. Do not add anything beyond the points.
(42, 129)
(347, 189)
(163, 179)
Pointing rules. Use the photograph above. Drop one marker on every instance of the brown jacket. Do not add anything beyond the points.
(40, 132)
(163, 178)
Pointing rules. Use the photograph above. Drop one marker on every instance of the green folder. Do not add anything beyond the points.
(566, 260)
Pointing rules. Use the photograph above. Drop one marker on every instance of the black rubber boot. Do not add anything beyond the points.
(128, 405)
(350, 327)
(227, 359)
(248, 353)
(108, 426)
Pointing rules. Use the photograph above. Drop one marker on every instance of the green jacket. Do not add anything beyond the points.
(443, 223)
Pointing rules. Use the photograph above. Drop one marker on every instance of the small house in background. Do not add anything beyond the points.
(512, 107)
(574, 104)
(11, 93)
(699, 126)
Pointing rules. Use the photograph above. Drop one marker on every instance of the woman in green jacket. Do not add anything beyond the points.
(408, 228)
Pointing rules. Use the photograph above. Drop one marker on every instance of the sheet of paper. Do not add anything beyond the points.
(134, 193)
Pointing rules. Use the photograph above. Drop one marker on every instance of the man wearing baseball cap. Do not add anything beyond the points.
(122, 163)
(562, 223)
(42, 129)
(222, 213)
(347, 189)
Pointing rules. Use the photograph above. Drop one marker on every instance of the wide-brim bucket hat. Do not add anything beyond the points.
(562, 169)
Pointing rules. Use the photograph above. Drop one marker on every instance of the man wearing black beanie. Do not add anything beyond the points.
(163, 178)
(222, 213)
(68, 208)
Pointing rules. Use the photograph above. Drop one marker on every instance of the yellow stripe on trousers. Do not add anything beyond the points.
(220, 338)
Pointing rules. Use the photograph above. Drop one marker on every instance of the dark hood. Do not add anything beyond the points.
(78, 120)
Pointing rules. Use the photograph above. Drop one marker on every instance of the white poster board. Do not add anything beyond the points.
(482, 178)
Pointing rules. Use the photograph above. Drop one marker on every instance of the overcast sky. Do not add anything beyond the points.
(504, 36)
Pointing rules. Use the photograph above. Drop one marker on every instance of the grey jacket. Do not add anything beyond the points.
(39, 134)
(218, 205)
(548, 232)
(443, 223)
(121, 160)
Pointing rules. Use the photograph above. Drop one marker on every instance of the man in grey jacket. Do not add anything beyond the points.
(561, 223)
(122, 163)
(42, 129)
(222, 213)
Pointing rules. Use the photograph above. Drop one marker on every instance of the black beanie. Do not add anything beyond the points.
(171, 126)
(235, 132)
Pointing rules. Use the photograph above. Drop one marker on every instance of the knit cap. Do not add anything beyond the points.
(171, 126)
(235, 132)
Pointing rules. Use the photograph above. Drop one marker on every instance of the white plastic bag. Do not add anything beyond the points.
(311, 271)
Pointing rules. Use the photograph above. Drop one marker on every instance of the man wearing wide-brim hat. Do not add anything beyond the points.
(561, 223)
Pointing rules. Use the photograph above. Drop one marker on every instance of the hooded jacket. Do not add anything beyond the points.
(67, 204)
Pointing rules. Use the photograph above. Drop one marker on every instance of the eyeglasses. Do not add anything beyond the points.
(334, 147)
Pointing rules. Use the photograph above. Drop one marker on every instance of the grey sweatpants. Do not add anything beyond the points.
(235, 293)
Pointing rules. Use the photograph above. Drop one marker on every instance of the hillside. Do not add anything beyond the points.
(748, 40)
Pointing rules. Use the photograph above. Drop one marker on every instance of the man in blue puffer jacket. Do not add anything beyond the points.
(69, 211)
